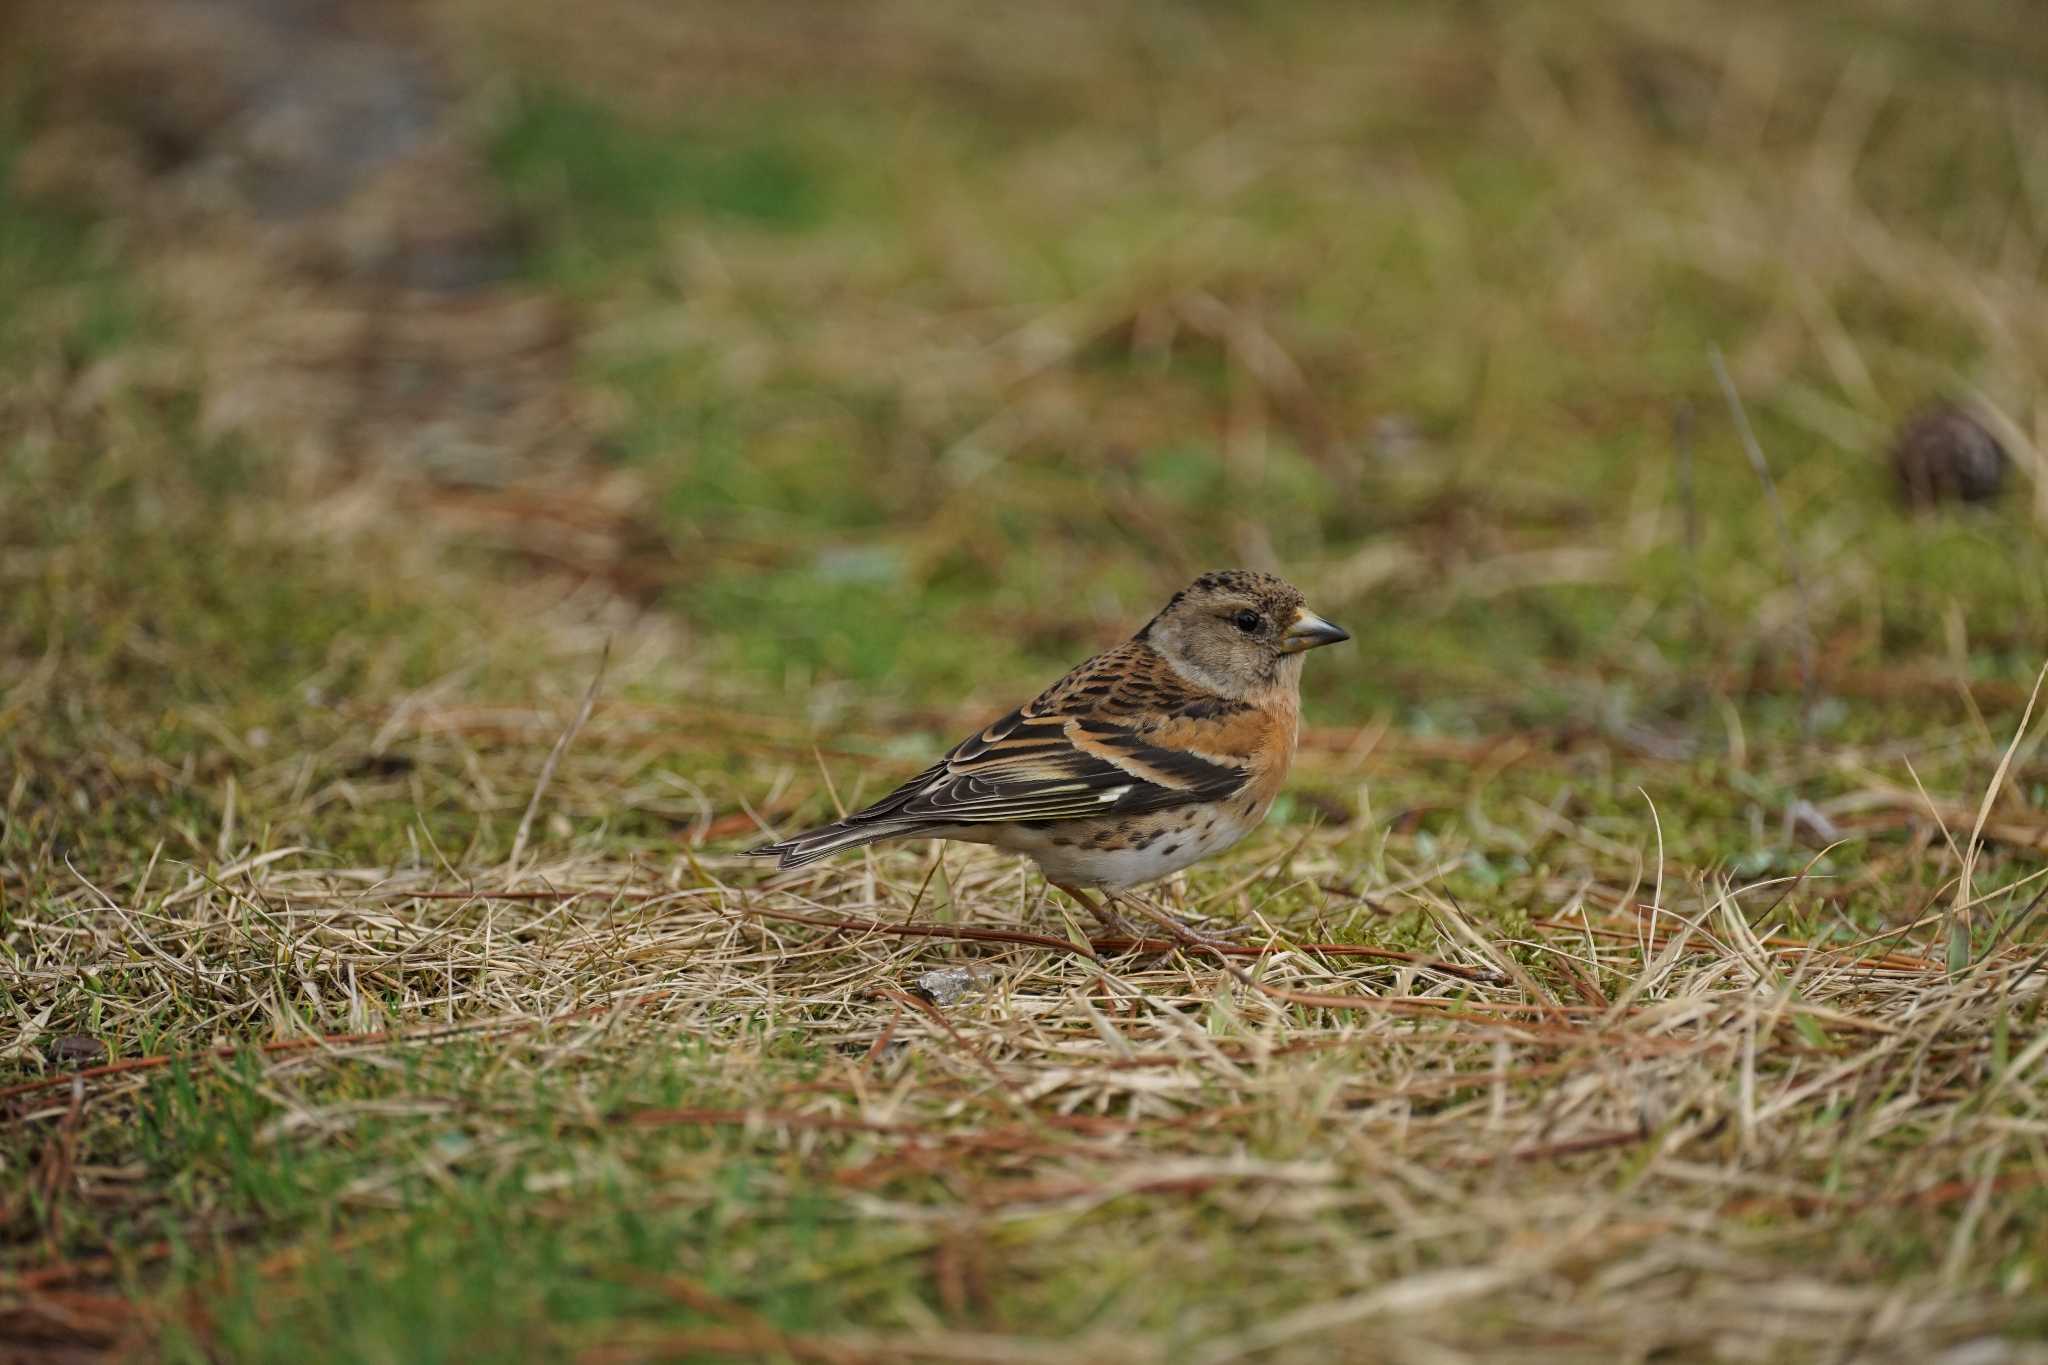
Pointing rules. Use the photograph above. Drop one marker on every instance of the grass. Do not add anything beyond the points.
(1618, 991)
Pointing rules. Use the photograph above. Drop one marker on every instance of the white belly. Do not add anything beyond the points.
(1065, 855)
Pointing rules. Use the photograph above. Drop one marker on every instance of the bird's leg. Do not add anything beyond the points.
(1103, 916)
(1177, 928)
(1219, 928)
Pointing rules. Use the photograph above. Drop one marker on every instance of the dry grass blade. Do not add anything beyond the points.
(1958, 937)
(547, 770)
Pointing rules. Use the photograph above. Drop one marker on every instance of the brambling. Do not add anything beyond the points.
(1144, 759)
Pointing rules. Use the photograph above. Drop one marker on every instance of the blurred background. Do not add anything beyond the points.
(859, 368)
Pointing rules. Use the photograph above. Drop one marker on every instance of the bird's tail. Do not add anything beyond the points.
(824, 841)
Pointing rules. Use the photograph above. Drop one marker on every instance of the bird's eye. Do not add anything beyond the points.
(1247, 621)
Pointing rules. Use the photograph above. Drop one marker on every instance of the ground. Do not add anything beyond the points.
(1642, 965)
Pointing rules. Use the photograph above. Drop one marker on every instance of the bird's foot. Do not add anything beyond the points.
(1177, 930)
(1103, 915)
(1180, 930)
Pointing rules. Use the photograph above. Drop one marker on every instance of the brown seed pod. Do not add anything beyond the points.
(1943, 454)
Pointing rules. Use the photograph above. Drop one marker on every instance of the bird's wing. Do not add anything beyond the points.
(1111, 738)
(1027, 767)
(1120, 735)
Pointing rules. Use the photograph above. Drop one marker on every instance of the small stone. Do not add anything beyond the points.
(74, 1051)
(946, 986)
(1944, 454)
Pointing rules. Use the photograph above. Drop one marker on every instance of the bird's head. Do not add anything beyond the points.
(1238, 633)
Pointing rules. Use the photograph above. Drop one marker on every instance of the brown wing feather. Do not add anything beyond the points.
(1116, 736)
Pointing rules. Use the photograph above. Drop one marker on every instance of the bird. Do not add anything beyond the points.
(1146, 758)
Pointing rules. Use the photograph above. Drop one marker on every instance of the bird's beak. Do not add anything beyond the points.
(1310, 630)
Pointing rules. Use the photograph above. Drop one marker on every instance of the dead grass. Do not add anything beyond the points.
(1654, 1119)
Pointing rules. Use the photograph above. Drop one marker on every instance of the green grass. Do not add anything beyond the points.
(927, 371)
(600, 190)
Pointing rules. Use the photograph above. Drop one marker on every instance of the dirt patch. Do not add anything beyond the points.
(300, 183)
